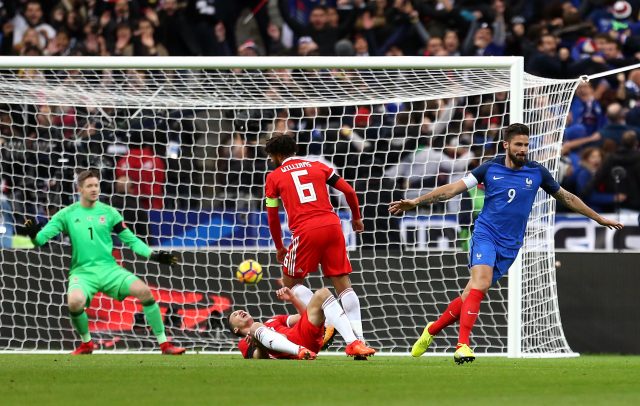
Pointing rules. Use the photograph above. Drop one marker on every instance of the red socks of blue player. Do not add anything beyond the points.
(469, 314)
(450, 316)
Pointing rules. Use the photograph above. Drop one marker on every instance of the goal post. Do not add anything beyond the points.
(179, 142)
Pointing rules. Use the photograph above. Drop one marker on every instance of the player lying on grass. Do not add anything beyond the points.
(298, 336)
(89, 225)
(317, 237)
(511, 183)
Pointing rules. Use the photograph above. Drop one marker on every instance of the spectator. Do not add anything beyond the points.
(628, 158)
(60, 46)
(32, 17)
(435, 47)
(174, 30)
(123, 44)
(144, 43)
(248, 48)
(230, 11)
(615, 127)
(586, 110)
(629, 90)
(545, 61)
(318, 29)
(480, 41)
(203, 17)
(122, 13)
(451, 43)
(589, 191)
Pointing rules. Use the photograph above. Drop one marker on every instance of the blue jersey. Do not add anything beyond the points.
(509, 196)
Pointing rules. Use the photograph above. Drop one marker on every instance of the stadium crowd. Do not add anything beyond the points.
(176, 159)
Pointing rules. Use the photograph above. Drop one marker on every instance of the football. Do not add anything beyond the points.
(249, 271)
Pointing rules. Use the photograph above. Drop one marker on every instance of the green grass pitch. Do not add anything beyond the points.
(229, 380)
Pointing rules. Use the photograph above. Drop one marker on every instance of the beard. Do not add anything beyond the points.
(517, 160)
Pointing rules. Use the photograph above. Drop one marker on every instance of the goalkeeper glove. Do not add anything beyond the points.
(164, 257)
(32, 228)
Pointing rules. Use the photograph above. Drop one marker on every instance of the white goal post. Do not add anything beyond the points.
(392, 127)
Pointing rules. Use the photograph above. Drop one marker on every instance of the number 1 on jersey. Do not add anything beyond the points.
(91, 232)
(306, 192)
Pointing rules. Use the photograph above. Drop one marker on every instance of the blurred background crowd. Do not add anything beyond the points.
(195, 160)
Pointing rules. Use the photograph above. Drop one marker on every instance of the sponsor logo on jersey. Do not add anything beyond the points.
(497, 177)
(90, 218)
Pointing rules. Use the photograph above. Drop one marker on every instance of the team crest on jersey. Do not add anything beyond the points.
(102, 220)
(529, 182)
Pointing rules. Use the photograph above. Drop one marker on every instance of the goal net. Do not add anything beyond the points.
(179, 145)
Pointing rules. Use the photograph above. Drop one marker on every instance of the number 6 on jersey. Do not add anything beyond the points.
(303, 188)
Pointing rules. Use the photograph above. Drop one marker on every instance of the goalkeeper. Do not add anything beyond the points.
(89, 224)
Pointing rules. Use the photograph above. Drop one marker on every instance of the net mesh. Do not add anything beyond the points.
(181, 156)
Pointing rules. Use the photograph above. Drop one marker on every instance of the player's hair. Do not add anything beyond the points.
(283, 144)
(84, 175)
(515, 129)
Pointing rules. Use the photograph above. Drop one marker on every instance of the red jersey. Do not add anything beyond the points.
(302, 187)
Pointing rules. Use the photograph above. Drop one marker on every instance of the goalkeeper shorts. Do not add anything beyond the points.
(113, 281)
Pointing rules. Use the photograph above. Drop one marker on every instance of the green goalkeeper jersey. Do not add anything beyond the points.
(90, 232)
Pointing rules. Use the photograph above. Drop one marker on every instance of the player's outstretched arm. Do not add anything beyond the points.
(352, 200)
(438, 194)
(141, 248)
(40, 234)
(574, 203)
(273, 218)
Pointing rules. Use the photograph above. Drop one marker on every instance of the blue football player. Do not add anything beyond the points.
(511, 183)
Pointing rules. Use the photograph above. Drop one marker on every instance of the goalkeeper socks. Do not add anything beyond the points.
(469, 314)
(275, 341)
(336, 317)
(80, 322)
(351, 306)
(450, 316)
(154, 318)
(303, 293)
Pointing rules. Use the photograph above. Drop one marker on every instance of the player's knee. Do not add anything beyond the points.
(323, 293)
(142, 293)
(76, 302)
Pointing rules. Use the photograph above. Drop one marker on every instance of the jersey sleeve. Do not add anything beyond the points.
(55, 226)
(271, 192)
(280, 320)
(481, 171)
(330, 175)
(126, 236)
(548, 184)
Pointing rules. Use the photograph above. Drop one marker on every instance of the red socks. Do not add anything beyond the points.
(469, 314)
(450, 316)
